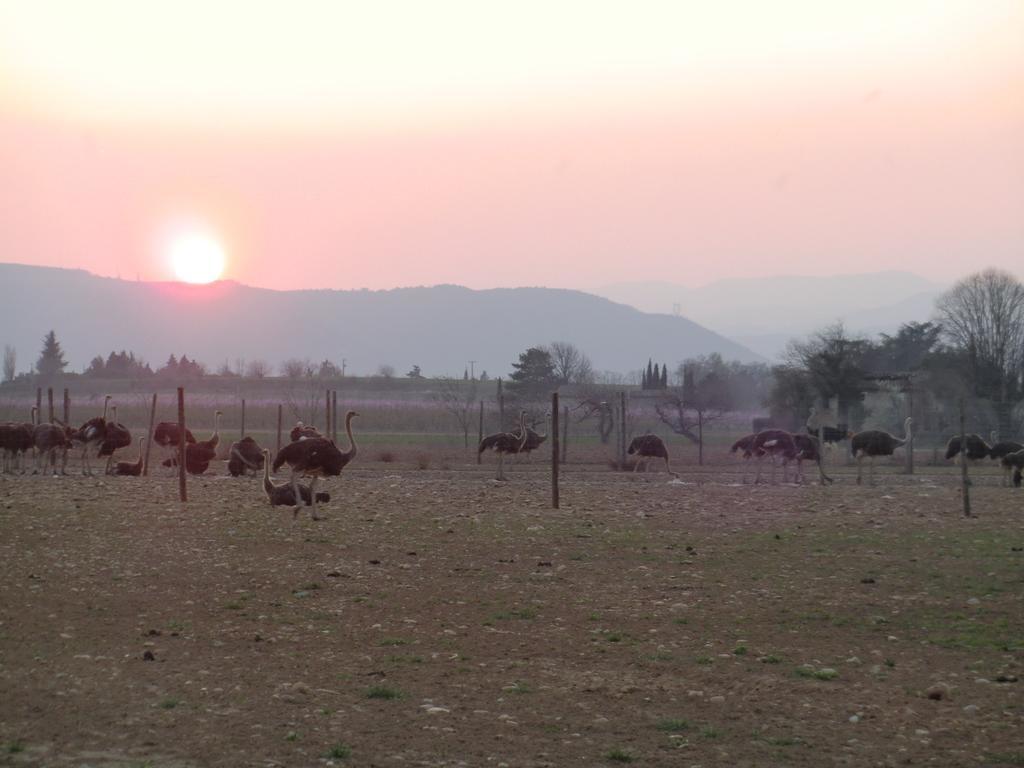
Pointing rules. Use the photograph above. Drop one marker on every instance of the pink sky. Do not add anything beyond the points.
(901, 151)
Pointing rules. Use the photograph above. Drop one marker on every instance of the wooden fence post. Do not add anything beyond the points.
(39, 404)
(49, 403)
(149, 437)
(501, 407)
(480, 431)
(565, 432)
(277, 449)
(622, 432)
(67, 407)
(965, 484)
(700, 438)
(327, 413)
(554, 450)
(910, 442)
(182, 490)
(334, 415)
(243, 417)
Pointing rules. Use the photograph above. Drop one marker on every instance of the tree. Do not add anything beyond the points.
(458, 397)
(664, 375)
(9, 363)
(704, 398)
(257, 369)
(648, 376)
(51, 360)
(534, 374)
(834, 361)
(415, 373)
(571, 366)
(328, 370)
(983, 315)
(293, 368)
(909, 350)
(386, 371)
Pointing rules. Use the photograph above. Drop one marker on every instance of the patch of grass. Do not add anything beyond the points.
(672, 725)
(393, 641)
(15, 747)
(406, 659)
(783, 741)
(234, 605)
(770, 659)
(614, 637)
(705, 660)
(619, 756)
(710, 732)
(291, 736)
(889, 663)
(383, 692)
(169, 703)
(1006, 758)
(518, 687)
(681, 620)
(516, 613)
(740, 650)
(339, 752)
(825, 673)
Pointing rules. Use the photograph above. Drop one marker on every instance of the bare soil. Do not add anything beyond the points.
(438, 618)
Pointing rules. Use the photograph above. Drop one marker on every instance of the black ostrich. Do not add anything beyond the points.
(16, 440)
(872, 443)
(49, 439)
(774, 444)
(1002, 448)
(130, 468)
(535, 439)
(245, 456)
(649, 447)
(315, 457)
(117, 437)
(1014, 462)
(284, 495)
(977, 448)
(807, 449)
(505, 442)
(303, 432)
(744, 446)
(167, 436)
(92, 433)
(198, 453)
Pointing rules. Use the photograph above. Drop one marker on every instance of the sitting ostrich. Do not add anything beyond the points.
(245, 456)
(1002, 448)
(117, 436)
(872, 443)
(199, 454)
(301, 432)
(48, 440)
(130, 468)
(505, 442)
(649, 447)
(284, 495)
(773, 443)
(807, 449)
(315, 457)
(92, 434)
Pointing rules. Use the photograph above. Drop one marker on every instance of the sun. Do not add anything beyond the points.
(197, 258)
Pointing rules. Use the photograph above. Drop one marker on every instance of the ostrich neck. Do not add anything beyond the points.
(268, 486)
(351, 452)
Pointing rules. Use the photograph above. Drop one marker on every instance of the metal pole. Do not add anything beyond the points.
(554, 450)
(480, 430)
(565, 432)
(149, 437)
(182, 490)
(964, 482)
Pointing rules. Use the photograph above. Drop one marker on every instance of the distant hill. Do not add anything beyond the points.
(440, 328)
(764, 313)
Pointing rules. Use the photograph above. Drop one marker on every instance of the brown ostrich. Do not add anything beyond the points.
(130, 468)
(977, 448)
(505, 442)
(16, 440)
(1001, 449)
(744, 446)
(315, 457)
(1014, 462)
(774, 444)
(117, 437)
(302, 432)
(649, 447)
(92, 434)
(48, 440)
(284, 495)
(167, 437)
(807, 449)
(200, 453)
(872, 443)
(245, 456)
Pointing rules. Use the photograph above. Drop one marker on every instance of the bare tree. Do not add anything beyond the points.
(10, 362)
(702, 400)
(597, 406)
(293, 368)
(983, 315)
(386, 371)
(457, 397)
(571, 365)
(257, 369)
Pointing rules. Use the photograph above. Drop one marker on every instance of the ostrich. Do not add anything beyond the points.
(245, 456)
(315, 457)
(1001, 449)
(1014, 462)
(807, 448)
(977, 448)
(649, 447)
(167, 436)
(92, 433)
(117, 436)
(534, 439)
(872, 443)
(198, 454)
(744, 444)
(48, 439)
(505, 442)
(773, 443)
(130, 468)
(16, 439)
(284, 495)
(301, 432)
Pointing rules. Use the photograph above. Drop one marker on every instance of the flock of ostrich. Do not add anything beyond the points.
(312, 455)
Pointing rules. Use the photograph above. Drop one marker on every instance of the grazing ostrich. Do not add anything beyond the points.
(807, 449)
(872, 443)
(284, 495)
(744, 444)
(130, 468)
(1001, 449)
(649, 447)
(505, 442)
(773, 443)
(315, 457)
(245, 456)
(48, 439)
(117, 437)
(92, 433)
(301, 432)
(977, 448)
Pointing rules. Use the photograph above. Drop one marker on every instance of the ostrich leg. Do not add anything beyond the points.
(296, 497)
(312, 496)
(860, 467)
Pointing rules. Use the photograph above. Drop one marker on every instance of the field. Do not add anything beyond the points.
(437, 617)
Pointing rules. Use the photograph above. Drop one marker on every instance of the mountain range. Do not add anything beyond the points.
(764, 313)
(440, 328)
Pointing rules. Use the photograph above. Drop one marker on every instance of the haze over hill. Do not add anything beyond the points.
(765, 313)
(440, 328)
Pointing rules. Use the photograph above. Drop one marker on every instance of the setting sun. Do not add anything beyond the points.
(197, 258)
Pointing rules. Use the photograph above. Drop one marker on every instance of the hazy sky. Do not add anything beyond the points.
(570, 144)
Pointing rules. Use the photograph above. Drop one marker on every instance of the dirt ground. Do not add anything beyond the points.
(438, 618)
